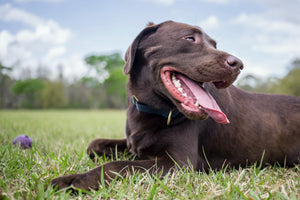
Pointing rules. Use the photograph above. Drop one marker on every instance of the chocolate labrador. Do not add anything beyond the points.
(183, 109)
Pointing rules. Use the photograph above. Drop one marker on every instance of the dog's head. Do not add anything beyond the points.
(173, 60)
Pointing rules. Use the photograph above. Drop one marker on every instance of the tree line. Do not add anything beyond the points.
(104, 86)
(289, 84)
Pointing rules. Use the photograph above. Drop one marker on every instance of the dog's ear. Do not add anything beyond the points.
(131, 51)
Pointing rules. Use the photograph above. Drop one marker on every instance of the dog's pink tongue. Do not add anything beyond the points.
(206, 101)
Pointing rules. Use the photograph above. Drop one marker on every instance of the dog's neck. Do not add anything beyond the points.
(173, 116)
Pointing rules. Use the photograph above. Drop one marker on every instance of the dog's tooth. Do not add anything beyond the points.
(199, 106)
(177, 83)
(174, 77)
(184, 94)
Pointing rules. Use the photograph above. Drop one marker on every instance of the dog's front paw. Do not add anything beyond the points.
(63, 181)
(75, 181)
(101, 147)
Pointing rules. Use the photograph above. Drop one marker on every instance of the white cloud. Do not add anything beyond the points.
(27, 1)
(271, 42)
(11, 14)
(42, 42)
(217, 1)
(267, 24)
(261, 68)
(275, 36)
(5, 39)
(211, 22)
(42, 30)
(56, 51)
(286, 10)
(161, 2)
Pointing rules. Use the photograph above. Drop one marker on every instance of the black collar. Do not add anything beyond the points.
(172, 116)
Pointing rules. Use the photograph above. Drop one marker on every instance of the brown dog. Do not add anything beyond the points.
(182, 108)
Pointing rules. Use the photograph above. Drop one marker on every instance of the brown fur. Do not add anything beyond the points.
(259, 123)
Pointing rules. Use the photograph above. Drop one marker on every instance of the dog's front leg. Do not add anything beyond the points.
(106, 146)
(109, 171)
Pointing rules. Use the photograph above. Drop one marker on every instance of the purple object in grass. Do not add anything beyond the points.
(23, 140)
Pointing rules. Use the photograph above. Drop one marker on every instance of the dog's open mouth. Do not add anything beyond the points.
(195, 102)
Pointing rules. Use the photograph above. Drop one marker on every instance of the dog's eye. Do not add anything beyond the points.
(190, 39)
(213, 43)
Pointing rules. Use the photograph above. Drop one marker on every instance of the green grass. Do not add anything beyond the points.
(60, 139)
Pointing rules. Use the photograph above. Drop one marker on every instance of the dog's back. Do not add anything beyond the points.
(260, 125)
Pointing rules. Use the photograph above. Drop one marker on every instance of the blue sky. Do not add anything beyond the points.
(265, 34)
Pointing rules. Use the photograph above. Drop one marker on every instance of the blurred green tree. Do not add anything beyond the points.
(256, 84)
(289, 84)
(53, 95)
(106, 75)
(5, 84)
(30, 90)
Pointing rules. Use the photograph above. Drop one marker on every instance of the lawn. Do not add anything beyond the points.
(60, 139)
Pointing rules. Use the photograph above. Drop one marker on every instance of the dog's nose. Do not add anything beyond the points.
(234, 62)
